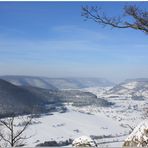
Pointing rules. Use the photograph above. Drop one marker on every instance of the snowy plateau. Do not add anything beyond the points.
(107, 126)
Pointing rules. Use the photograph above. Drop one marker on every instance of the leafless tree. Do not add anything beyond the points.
(9, 135)
(138, 21)
(130, 127)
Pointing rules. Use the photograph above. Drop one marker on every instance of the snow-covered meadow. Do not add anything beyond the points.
(72, 124)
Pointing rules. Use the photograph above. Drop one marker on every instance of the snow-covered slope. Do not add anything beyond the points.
(136, 88)
(125, 108)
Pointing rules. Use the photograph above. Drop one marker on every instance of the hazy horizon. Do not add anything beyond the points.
(52, 39)
(68, 77)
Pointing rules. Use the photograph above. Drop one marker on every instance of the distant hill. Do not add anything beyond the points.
(28, 81)
(57, 83)
(17, 100)
(136, 88)
(77, 97)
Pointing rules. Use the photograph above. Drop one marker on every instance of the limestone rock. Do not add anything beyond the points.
(139, 136)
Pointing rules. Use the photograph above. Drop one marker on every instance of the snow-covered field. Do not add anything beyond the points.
(109, 126)
(72, 124)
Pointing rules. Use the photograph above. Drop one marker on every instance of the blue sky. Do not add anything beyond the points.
(52, 39)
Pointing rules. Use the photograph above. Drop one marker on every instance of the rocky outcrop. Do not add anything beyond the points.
(139, 136)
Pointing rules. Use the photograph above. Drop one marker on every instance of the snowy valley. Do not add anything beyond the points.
(107, 114)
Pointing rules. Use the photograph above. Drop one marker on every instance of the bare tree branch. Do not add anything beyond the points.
(22, 130)
(139, 18)
(3, 138)
(5, 124)
(21, 138)
(132, 128)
